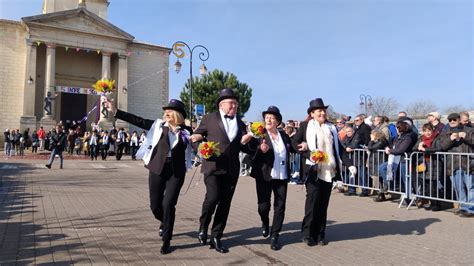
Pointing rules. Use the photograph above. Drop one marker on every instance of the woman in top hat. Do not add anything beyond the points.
(319, 134)
(271, 171)
(167, 154)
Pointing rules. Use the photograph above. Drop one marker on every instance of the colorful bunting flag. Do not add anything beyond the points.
(67, 48)
(38, 43)
(78, 49)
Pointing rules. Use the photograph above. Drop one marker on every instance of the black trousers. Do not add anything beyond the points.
(164, 191)
(120, 147)
(316, 206)
(264, 192)
(219, 192)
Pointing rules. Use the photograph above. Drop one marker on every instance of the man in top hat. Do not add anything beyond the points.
(319, 134)
(220, 173)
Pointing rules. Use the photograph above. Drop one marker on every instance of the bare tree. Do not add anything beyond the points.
(384, 106)
(455, 109)
(420, 109)
(332, 114)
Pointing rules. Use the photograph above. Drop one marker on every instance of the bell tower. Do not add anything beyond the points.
(98, 7)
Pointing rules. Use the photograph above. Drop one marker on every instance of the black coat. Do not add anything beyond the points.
(58, 141)
(376, 158)
(160, 151)
(262, 163)
(212, 129)
(362, 134)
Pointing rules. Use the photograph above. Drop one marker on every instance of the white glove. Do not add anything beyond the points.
(353, 170)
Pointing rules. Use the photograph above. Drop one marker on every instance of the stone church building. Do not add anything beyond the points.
(55, 57)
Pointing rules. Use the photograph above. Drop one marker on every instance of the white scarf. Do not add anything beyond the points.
(325, 141)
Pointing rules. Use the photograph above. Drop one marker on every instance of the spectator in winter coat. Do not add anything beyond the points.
(465, 120)
(382, 126)
(403, 143)
(434, 119)
(57, 143)
(460, 139)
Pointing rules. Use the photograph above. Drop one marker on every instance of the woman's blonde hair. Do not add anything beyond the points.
(377, 134)
(177, 117)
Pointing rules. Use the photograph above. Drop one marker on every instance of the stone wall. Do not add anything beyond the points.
(148, 89)
(12, 74)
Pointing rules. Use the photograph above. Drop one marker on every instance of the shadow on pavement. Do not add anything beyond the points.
(21, 240)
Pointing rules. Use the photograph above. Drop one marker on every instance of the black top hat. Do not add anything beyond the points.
(176, 105)
(274, 111)
(316, 104)
(226, 93)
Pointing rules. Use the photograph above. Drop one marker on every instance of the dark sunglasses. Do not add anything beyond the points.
(451, 120)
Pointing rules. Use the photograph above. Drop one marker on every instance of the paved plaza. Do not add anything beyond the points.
(97, 212)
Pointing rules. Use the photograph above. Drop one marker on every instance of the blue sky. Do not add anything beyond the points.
(292, 51)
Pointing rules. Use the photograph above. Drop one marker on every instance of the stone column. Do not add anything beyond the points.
(122, 88)
(28, 118)
(105, 75)
(49, 85)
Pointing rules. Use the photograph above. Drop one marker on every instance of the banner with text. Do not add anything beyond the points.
(76, 90)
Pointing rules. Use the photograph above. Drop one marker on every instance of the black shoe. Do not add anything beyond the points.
(165, 248)
(48, 166)
(435, 208)
(380, 197)
(216, 244)
(364, 194)
(309, 241)
(160, 231)
(322, 241)
(349, 193)
(265, 230)
(274, 245)
(202, 237)
(459, 212)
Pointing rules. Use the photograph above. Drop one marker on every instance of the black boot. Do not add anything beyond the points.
(202, 237)
(216, 244)
(265, 230)
(160, 231)
(165, 248)
(274, 245)
(380, 197)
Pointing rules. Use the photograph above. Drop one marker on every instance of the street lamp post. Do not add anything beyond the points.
(366, 102)
(180, 53)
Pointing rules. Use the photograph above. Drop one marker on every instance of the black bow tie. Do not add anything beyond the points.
(228, 116)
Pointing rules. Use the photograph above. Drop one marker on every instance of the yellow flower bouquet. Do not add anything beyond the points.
(104, 86)
(257, 129)
(318, 156)
(208, 149)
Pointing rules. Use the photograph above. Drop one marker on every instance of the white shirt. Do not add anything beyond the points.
(279, 164)
(105, 140)
(172, 137)
(93, 140)
(230, 126)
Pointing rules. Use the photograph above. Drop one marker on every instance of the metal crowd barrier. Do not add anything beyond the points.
(369, 176)
(433, 176)
(418, 176)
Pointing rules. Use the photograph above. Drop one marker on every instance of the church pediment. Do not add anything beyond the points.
(78, 20)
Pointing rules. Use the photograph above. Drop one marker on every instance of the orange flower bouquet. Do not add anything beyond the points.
(257, 129)
(104, 86)
(208, 149)
(319, 156)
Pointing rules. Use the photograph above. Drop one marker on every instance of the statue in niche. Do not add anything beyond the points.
(48, 100)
